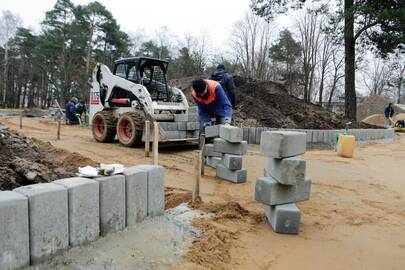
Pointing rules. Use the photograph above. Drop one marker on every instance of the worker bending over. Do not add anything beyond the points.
(212, 103)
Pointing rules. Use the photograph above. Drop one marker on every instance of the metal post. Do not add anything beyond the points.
(202, 147)
(197, 176)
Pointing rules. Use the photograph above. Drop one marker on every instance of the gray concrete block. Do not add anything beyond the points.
(282, 144)
(182, 117)
(212, 131)
(245, 134)
(259, 131)
(268, 191)
(231, 134)
(235, 176)
(286, 171)
(182, 125)
(136, 194)
(284, 218)
(209, 151)
(252, 135)
(156, 189)
(193, 125)
(193, 117)
(233, 162)
(192, 134)
(309, 135)
(213, 161)
(176, 134)
(222, 146)
(84, 211)
(14, 231)
(169, 126)
(112, 203)
(48, 219)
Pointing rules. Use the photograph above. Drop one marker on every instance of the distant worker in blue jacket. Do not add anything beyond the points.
(212, 103)
(70, 111)
(225, 79)
(389, 113)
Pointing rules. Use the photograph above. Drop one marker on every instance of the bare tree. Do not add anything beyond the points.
(376, 76)
(337, 72)
(9, 23)
(309, 27)
(250, 42)
(324, 62)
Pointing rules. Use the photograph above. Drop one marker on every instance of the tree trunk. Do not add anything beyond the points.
(350, 89)
(5, 73)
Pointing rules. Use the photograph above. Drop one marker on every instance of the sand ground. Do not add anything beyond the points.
(355, 218)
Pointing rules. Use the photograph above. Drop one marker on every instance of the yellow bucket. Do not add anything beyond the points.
(346, 145)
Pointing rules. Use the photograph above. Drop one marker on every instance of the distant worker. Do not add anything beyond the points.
(81, 109)
(225, 79)
(212, 103)
(70, 112)
(389, 112)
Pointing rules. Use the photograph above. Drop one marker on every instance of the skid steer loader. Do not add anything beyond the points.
(137, 90)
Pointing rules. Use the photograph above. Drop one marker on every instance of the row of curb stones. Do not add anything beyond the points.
(41, 220)
(284, 182)
(226, 152)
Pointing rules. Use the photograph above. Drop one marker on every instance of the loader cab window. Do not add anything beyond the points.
(154, 79)
(133, 74)
(121, 70)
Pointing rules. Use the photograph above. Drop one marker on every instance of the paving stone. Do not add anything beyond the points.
(309, 136)
(193, 125)
(182, 125)
(209, 151)
(84, 211)
(175, 135)
(235, 176)
(231, 134)
(136, 190)
(245, 134)
(286, 171)
(282, 144)
(48, 219)
(112, 203)
(169, 126)
(268, 191)
(222, 146)
(193, 117)
(212, 131)
(259, 131)
(182, 117)
(284, 218)
(193, 110)
(252, 135)
(14, 231)
(156, 193)
(232, 162)
(214, 161)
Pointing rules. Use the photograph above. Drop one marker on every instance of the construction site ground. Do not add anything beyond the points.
(355, 218)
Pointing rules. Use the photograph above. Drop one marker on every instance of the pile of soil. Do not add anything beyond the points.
(25, 161)
(374, 105)
(268, 104)
(375, 119)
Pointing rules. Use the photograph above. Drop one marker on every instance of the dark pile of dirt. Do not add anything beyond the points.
(268, 104)
(25, 161)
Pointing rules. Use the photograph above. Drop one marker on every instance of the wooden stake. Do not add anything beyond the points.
(202, 147)
(155, 143)
(21, 117)
(197, 176)
(147, 138)
(58, 132)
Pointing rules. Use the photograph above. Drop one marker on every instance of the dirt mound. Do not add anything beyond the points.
(374, 105)
(375, 119)
(174, 197)
(268, 104)
(25, 161)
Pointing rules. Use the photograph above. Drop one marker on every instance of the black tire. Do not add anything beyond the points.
(130, 128)
(104, 126)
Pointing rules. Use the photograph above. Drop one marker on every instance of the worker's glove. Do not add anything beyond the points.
(206, 124)
(227, 121)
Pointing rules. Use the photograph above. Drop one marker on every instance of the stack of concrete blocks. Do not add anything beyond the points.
(41, 220)
(284, 182)
(185, 125)
(225, 154)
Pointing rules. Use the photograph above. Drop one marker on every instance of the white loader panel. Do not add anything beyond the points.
(95, 103)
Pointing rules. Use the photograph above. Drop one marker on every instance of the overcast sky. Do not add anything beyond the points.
(212, 17)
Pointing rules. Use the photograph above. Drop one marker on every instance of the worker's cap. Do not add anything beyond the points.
(221, 66)
(199, 85)
(74, 99)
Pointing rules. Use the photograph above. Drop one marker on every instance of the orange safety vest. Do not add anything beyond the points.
(211, 88)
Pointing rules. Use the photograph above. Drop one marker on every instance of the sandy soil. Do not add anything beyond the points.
(355, 218)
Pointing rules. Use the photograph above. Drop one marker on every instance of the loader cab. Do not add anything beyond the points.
(149, 72)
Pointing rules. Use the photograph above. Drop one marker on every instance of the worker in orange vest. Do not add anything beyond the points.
(212, 103)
